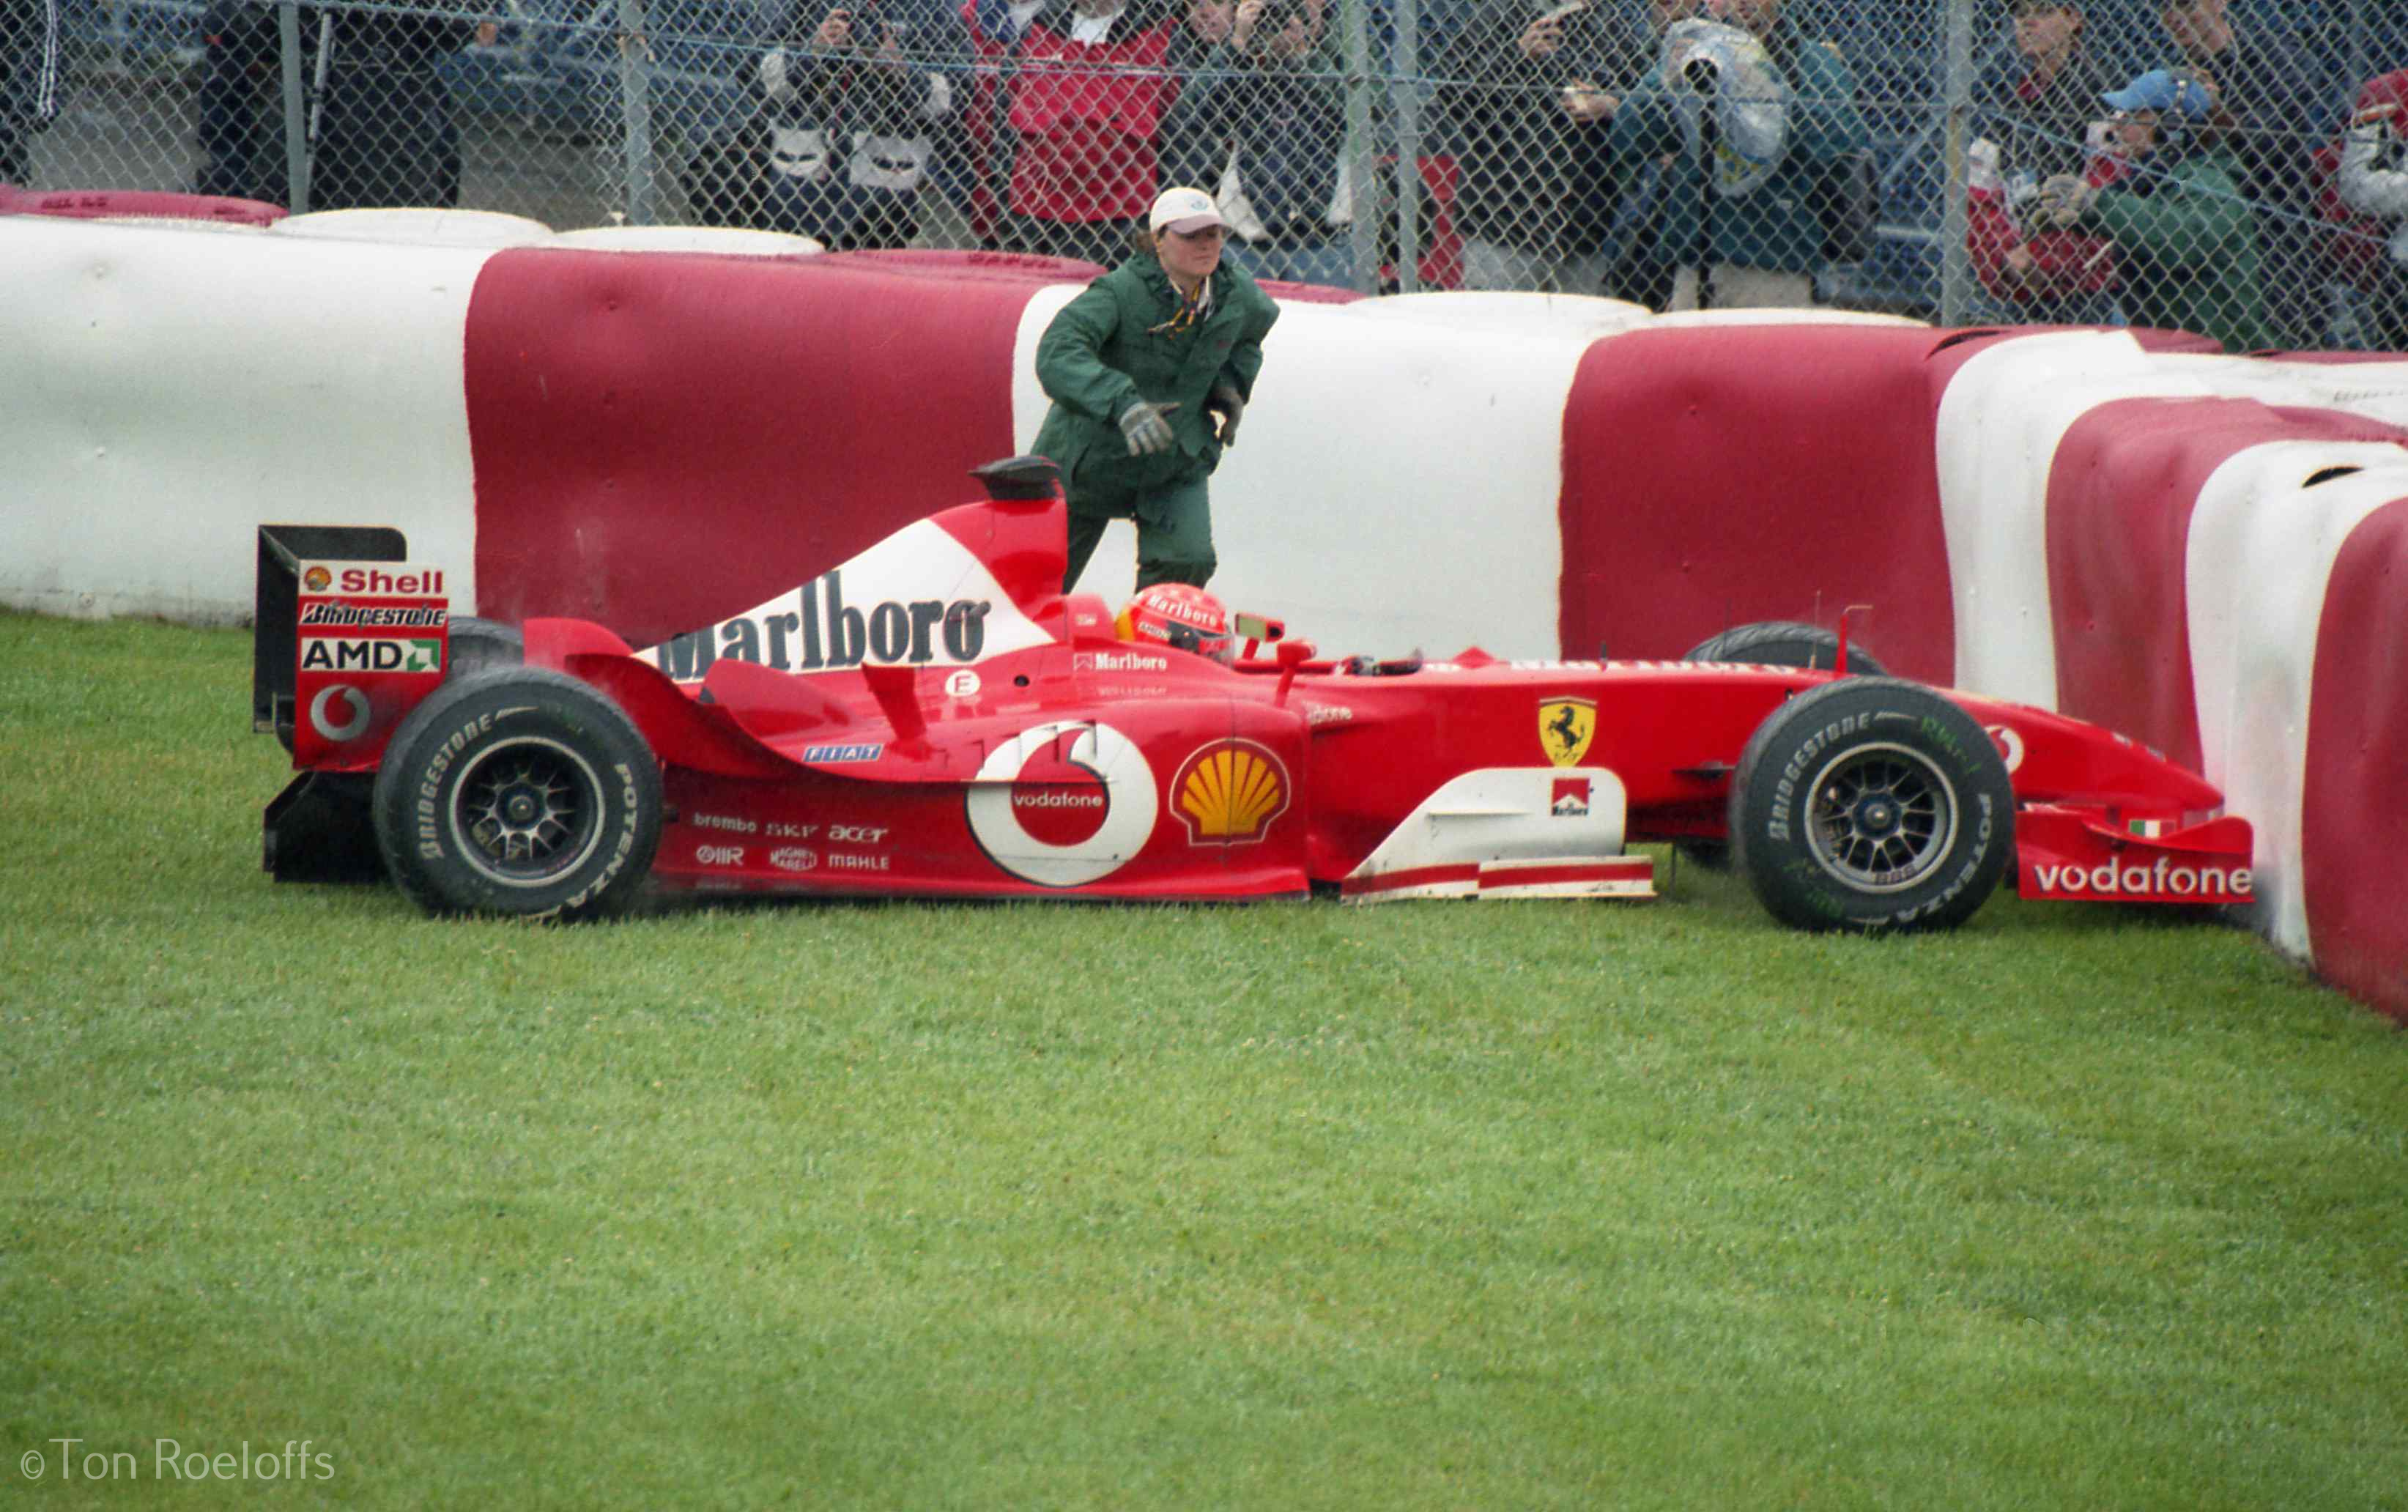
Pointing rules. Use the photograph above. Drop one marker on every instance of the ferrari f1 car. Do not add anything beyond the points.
(935, 717)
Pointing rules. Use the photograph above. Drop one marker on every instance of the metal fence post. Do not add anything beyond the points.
(635, 103)
(1363, 227)
(1405, 91)
(1956, 265)
(296, 136)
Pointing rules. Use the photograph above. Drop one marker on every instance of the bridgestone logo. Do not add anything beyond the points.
(430, 783)
(1785, 792)
(353, 614)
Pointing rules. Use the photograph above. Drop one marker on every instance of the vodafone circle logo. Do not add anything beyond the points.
(339, 712)
(1063, 804)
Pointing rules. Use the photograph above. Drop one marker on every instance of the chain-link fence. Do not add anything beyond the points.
(2191, 163)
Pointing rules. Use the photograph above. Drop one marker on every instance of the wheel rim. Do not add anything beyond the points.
(1882, 818)
(526, 812)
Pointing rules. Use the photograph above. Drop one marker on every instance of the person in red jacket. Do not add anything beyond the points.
(1086, 97)
(992, 30)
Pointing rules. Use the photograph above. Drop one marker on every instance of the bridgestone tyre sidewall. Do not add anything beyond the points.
(1786, 643)
(1769, 799)
(443, 740)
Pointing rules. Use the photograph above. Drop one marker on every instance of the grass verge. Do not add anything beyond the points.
(1536, 1205)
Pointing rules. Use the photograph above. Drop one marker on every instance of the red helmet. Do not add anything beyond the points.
(1176, 615)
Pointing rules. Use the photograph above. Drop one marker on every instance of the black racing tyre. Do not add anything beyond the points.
(479, 645)
(1871, 803)
(521, 792)
(1786, 643)
(1772, 643)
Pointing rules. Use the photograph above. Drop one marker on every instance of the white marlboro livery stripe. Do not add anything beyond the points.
(918, 598)
(1533, 827)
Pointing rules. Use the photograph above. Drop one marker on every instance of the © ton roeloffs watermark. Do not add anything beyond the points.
(66, 1459)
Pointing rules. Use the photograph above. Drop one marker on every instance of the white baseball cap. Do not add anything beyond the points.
(1183, 210)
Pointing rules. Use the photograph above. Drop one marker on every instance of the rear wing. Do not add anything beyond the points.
(275, 606)
(346, 635)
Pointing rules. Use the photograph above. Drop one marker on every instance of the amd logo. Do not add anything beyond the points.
(325, 653)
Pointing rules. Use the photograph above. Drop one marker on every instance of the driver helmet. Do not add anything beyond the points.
(1177, 615)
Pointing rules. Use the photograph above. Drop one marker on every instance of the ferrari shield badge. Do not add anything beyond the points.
(1564, 726)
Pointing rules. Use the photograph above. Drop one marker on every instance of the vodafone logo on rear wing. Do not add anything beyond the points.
(918, 598)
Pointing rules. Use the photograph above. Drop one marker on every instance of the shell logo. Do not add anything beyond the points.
(317, 580)
(1229, 792)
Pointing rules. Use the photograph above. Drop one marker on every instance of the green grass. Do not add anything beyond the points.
(1446, 1204)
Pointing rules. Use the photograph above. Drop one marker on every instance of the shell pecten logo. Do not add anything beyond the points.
(1229, 792)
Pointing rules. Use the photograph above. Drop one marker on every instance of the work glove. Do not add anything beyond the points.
(2063, 197)
(1229, 406)
(1147, 427)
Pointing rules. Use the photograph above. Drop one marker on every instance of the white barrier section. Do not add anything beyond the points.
(170, 386)
(2256, 568)
(2000, 422)
(1442, 430)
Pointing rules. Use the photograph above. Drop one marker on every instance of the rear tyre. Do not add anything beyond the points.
(521, 792)
(481, 644)
(1871, 803)
(1786, 643)
(1772, 643)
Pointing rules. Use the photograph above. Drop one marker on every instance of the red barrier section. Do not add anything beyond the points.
(2353, 829)
(99, 203)
(2120, 495)
(1715, 477)
(788, 413)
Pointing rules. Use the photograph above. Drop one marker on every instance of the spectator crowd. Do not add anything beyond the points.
(2182, 162)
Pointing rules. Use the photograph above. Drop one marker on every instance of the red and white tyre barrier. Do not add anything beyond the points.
(2208, 554)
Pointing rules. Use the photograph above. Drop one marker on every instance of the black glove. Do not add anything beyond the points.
(1147, 427)
(1230, 407)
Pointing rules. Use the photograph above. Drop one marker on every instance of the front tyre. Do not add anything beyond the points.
(1871, 803)
(519, 791)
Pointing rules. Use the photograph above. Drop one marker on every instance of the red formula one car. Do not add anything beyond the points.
(935, 717)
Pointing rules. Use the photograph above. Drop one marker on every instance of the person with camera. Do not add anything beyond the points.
(2274, 101)
(1151, 369)
(2184, 236)
(852, 114)
(1261, 112)
(1529, 108)
(1756, 118)
(2036, 124)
